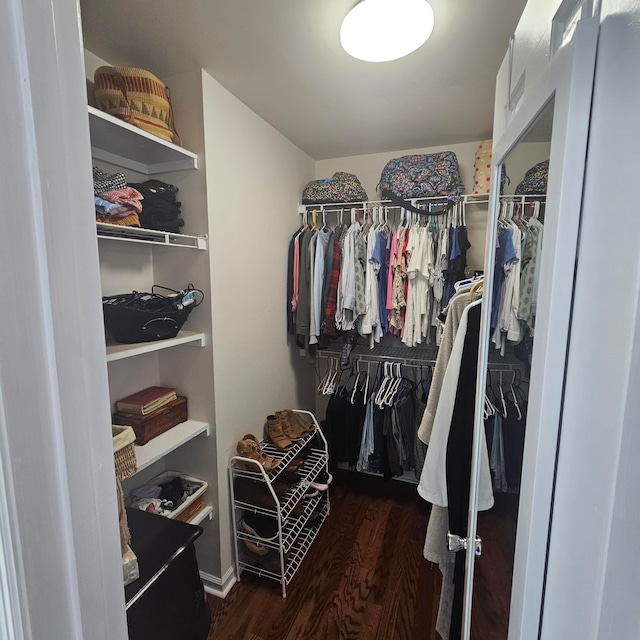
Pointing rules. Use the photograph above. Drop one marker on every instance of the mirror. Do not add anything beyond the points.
(519, 235)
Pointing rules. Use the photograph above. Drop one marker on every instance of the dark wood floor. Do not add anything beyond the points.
(493, 572)
(364, 577)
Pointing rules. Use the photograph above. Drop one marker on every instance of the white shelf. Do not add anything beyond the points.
(149, 236)
(166, 442)
(120, 143)
(117, 351)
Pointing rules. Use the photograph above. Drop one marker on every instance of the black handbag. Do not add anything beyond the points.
(144, 317)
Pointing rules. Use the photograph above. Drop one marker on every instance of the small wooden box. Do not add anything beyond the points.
(156, 422)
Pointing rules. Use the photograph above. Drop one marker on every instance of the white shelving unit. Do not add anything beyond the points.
(118, 351)
(297, 528)
(166, 442)
(120, 143)
(130, 148)
(149, 236)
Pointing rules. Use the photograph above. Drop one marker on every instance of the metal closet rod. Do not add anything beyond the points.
(466, 199)
(410, 362)
(375, 359)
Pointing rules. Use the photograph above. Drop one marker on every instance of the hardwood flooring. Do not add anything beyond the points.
(364, 577)
(494, 568)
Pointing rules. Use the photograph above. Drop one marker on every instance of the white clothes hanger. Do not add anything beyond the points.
(388, 395)
(393, 392)
(331, 386)
(514, 397)
(355, 384)
(382, 389)
(325, 377)
(366, 385)
(489, 408)
(502, 399)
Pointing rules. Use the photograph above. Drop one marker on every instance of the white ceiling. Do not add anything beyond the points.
(283, 59)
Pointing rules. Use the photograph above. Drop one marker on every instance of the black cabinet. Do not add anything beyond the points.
(167, 601)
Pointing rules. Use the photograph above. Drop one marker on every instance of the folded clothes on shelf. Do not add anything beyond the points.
(165, 497)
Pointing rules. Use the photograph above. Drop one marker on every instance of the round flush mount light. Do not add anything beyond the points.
(382, 30)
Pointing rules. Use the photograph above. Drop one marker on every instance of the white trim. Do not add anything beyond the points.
(219, 587)
(60, 486)
(11, 627)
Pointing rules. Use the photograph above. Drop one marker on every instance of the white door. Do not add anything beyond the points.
(555, 112)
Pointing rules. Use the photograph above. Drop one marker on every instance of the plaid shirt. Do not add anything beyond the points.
(329, 325)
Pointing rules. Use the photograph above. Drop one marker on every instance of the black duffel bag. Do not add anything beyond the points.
(144, 317)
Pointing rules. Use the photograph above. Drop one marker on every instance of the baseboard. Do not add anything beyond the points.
(219, 587)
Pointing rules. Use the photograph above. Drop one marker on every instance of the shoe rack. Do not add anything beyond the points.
(298, 518)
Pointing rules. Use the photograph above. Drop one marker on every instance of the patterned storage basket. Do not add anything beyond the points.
(422, 176)
(482, 170)
(341, 187)
(535, 180)
(136, 96)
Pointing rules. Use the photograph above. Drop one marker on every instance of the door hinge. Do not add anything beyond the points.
(456, 543)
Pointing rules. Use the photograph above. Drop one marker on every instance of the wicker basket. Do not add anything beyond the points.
(137, 97)
(124, 456)
(124, 453)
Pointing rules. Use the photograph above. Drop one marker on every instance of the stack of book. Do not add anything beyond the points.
(151, 412)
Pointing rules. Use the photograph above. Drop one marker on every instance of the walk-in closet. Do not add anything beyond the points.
(348, 347)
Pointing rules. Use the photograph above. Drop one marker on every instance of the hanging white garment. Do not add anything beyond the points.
(455, 309)
(433, 480)
(371, 318)
(427, 266)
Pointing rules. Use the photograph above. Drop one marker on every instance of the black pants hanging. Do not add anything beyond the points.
(459, 450)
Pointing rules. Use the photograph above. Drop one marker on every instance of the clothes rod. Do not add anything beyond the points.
(465, 199)
(409, 362)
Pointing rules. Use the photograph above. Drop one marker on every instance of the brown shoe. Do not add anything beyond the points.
(249, 448)
(298, 425)
(273, 428)
(287, 428)
(256, 492)
(295, 464)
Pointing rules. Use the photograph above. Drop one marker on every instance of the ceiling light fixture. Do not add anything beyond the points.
(382, 30)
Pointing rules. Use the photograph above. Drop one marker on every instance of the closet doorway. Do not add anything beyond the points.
(552, 115)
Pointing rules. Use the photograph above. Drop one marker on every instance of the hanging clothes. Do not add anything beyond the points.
(292, 274)
(433, 485)
(372, 279)
(458, 461)
(445, 395)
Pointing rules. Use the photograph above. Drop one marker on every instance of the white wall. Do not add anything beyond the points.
(254, 178)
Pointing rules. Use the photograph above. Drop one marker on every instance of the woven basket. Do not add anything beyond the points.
(124, 456)
(124, 453)
(136, 96)
(191, 511)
